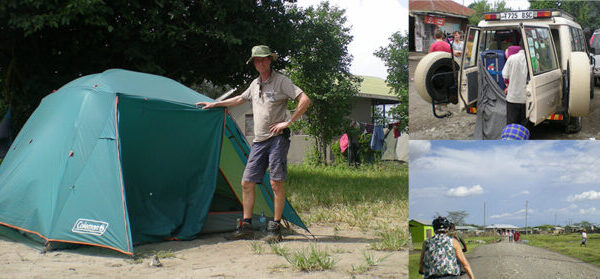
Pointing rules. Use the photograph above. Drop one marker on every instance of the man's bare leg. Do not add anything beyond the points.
(248, 198)
(278, 199)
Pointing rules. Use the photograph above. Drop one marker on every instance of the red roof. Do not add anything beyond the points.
(443, 6)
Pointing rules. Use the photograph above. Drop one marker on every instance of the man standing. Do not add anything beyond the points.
(268, 94)
(515, 70)
(439, 44)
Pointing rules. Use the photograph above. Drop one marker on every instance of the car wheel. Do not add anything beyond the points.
(579, 82)
(430, 65)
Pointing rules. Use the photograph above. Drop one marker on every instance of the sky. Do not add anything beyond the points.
(513, 4)
(557, 178)
(372, 23)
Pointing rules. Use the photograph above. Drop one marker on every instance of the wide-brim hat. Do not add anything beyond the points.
(262, 51)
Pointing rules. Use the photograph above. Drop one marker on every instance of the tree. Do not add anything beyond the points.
(482, 6)
(320, 66)
(586, 13)
(395, 56)
(457, 217)
(45, 44)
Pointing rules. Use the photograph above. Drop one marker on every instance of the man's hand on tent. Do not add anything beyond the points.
(277, 128)
(205, 105)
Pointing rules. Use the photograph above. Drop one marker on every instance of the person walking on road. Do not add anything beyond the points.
(269, 94)
(441, 254)
(583, 239)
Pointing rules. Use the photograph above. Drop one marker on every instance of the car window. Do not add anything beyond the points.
(470, 47)
(577, 41)
(596, 42)
(541, 50)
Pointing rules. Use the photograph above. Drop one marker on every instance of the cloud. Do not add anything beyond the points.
(589, 195)
(418, 149)
(522, 193)
(589, 211)
(462, 191)
(426, 192)
(519, 214)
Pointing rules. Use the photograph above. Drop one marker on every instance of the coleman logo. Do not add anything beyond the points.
(89, 226)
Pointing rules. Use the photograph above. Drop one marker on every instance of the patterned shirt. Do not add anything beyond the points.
(439, 257)
(269, 102)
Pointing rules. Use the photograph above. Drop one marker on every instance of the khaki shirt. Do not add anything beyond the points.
(269, 102)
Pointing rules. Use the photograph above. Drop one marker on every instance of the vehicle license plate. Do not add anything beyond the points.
(516, 15)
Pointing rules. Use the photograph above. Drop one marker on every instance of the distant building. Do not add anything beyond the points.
(466, 228)
(427, 16)
(420, 230)
(501, 228)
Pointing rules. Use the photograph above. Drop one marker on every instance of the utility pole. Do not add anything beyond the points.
(526, 209)
(555, 219)
(483, 215)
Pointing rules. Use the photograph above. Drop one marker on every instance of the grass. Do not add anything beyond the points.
(372, 197)
(415, 256)
(257, 247)
(311, 259)
(568, 245)
(279, 249)
(370, 261)
(162, 254)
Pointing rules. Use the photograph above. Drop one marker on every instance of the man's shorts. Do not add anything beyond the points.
(270, 153)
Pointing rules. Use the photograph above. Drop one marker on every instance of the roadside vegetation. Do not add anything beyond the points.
(568, 244)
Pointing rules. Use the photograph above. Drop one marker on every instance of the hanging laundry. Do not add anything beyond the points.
(344, 142)
(396, 132)
(377, 139)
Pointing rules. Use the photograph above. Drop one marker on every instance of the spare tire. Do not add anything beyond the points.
(578, 72)
(444, 88)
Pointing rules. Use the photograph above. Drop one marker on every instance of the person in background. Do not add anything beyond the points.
(439, 44)
(442, 256)
(457, 44)
(583, 239)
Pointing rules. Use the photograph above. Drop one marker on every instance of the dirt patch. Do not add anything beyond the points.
(208, 257)
(512, 260)
(460, 126)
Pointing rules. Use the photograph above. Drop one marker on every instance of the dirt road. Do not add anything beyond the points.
(510, 260)
(424, 126)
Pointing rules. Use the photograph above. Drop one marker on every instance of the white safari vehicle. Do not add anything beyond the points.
(560, 78)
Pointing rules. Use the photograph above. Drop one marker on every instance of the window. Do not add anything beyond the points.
(471, 47)
(577, 39)
(249, 125)
(541, 51)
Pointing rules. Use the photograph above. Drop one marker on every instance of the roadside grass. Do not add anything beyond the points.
(369, 198)
(415, 255)
(569, 245)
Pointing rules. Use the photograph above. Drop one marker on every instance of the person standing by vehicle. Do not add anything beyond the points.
(439, 44)
(457, 44)
(583, 239)
(269, 94)
(442, 254)
(515, 70)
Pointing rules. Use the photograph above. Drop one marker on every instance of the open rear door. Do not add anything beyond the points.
(469, 74)
(544, 86)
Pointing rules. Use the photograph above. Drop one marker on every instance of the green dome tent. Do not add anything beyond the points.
(120, 158)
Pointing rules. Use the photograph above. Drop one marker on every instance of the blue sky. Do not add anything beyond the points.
(372, 22)
(556, 177)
